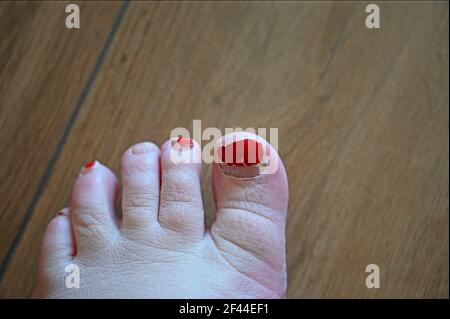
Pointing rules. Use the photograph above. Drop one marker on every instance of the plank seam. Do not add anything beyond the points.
(70, 123)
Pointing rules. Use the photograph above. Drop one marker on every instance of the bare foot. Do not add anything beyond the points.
(160, 247)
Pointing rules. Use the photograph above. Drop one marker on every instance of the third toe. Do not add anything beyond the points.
(140, 186)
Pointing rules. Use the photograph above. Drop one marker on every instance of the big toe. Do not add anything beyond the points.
(251, 192)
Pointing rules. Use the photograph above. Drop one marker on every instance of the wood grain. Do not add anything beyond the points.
(362, 117)
(43, 67)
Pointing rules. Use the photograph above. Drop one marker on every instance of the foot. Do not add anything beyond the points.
(160, 246)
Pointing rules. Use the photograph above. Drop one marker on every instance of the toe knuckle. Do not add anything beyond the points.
(87, 216)
(138, 165)
(140, 200)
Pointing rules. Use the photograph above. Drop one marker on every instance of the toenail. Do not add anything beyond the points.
(182, 142)
(142, 148)
(242, 159)
(63, 212)
(88, 167)
(244, 152)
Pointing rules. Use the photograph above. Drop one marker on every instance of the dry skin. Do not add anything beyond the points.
(362, 117)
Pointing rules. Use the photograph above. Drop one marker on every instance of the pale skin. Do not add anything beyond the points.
(160, 246)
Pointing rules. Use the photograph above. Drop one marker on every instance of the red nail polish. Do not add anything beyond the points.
(88, 167)
(184, 142)
(89, 164)
(245, 152)
(61, 213)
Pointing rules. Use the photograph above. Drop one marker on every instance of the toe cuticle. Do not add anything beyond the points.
(241, 172)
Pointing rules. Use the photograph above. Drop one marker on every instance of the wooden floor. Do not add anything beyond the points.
(363, 119)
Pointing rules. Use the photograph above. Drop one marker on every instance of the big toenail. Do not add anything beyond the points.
(242, 159)
(142, 148)
(244, 152)
(88, 167)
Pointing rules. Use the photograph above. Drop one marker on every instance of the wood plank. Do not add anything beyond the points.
(362, 117)
(43, 69)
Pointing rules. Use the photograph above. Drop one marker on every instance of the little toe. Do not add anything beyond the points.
(58, 245)
(58, 248)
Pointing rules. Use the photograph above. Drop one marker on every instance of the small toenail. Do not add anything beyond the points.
(182, 142)
(61, 213)
(142, 148)
(88, 167)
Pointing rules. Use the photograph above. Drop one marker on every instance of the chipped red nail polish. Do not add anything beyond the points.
(244, 152)
(89, 165)
(183, 142)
